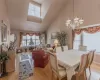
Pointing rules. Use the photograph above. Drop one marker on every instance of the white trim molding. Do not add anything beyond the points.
(90, 26)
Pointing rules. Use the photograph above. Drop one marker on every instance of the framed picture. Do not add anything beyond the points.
(53, 35)
(3, 32)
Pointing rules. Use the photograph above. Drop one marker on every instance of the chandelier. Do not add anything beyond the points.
(75, 22)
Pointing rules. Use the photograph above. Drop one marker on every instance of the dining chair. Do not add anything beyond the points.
(83, 48)
(65, 48)
(58, 49)
(90, 60)
(58, 70)
(81, 73)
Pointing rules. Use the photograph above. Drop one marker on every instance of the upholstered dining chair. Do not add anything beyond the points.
(82, 48)
(65, 48)
(58, 70)
(58, 49)
(90, 59)
(81, 73)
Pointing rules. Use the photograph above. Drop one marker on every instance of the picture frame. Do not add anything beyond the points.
(3, 32)
(53, 35)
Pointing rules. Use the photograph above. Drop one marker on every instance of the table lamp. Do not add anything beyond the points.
(56, 42)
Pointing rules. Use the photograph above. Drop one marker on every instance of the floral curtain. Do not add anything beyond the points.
(73, 36)
(90, 30)
(31, 34)
(20, 38)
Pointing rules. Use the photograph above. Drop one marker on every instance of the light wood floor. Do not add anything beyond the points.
(45, 74)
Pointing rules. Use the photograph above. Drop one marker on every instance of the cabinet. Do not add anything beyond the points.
(10, 64)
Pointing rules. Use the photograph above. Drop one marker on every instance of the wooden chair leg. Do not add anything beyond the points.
(85, 75)
(77, 77)
(52, 76)
(57, 78)
(90, 70)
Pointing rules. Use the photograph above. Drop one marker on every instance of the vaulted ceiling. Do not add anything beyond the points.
(18, 10)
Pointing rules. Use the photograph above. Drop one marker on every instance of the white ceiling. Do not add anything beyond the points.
(18, 9)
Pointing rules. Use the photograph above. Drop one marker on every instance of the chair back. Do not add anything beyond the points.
(58, 49)
(53, 62)
(83, 48)
(65, 48)
(83, 63)
(91, 56)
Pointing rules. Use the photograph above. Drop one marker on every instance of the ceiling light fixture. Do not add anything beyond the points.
(75, 22)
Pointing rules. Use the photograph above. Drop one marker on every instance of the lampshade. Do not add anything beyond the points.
(55, 41)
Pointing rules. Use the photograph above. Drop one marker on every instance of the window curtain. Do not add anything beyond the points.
(31, 34)
(24, 34)
(90, 30)
(73, 37)
(42, 38)
(20, 38)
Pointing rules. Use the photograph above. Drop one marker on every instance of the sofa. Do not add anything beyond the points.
(40, 58)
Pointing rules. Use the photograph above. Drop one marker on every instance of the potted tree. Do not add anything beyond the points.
(3, 58)
(62, 38)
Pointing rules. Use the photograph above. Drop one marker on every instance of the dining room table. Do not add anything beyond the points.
(70, 59)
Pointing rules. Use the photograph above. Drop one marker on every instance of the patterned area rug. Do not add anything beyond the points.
(25, 67)
(24, 56)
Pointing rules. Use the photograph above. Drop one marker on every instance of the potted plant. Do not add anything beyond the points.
(3, 58)
(62, 38)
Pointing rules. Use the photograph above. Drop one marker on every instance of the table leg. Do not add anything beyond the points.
(70, 73)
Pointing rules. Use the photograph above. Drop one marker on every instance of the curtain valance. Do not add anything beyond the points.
(24, 34)
(88, 30)
(31, 34)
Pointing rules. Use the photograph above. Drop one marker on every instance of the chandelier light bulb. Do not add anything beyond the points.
(76, 19)
(81, 21)
(67, 24)
(75, 23)
(68, 21)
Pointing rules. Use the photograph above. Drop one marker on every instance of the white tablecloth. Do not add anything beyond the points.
(70, 60)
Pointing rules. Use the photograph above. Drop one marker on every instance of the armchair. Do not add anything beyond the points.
(40, 58)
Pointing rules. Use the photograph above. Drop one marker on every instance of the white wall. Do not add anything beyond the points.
(44, 7)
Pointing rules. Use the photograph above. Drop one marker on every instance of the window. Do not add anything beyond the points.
(92, 41)
(77, 41)
(89, 40)
(34, 9)
(28, 40)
